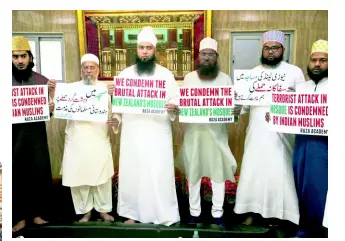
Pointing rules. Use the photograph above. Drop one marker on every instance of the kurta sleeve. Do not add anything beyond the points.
(172, 94)
(230, 81)
(111, 114)
(299, 78)
(69, 125)
(117, 116)
(50, 99)
(245, 109)
(325, 216)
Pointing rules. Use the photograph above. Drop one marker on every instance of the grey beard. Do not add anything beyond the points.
(88, 80)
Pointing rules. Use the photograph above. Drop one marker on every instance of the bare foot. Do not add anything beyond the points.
(248, 221)
(130, 221)
(18, 226)
(40, 221)
(107, 217)
(86, 218)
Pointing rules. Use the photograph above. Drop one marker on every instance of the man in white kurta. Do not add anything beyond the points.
(87, 165)
(205, 150)
(146, 168)
(266, 184)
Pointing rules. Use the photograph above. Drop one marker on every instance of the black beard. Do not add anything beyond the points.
(273, 62)
(145, 66)
(22, 75)
(208, 71)
(317, 77)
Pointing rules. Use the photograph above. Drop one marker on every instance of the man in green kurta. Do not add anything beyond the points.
(31, 172)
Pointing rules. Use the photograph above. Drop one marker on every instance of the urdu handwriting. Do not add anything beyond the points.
(81, 108)
(259, 87)
(249, 97)
(263, 76)
(91, 94)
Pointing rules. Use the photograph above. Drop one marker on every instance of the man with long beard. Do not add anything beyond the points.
(87, 165)
(266, 184)
(205, 150)
(31, 172)
(310, 156)
(146, 168)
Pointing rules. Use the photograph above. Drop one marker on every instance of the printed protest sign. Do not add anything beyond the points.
(206, 104)
(299, 113)
(253, 87)
(30, 103)
(81, 102)
(139, 96)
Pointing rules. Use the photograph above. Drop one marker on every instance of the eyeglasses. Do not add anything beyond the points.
(207, 55)
(273, 48)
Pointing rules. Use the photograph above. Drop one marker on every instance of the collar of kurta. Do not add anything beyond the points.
(325, 79)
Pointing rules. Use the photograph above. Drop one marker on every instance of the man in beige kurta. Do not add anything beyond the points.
(205, 150)
(87, 161)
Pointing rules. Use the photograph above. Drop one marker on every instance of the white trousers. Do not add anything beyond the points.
(218, 194)
(85, 198)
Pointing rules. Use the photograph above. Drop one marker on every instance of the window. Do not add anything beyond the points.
(48, 52)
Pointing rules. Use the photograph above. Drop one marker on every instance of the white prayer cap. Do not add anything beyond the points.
(147, 35)
(90, 58)
(274, 35)
(208, 43)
